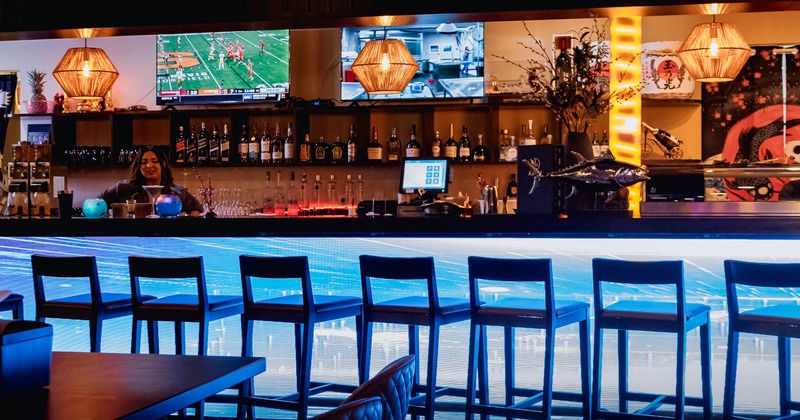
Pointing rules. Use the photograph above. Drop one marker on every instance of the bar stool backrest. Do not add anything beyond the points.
(529, 270)
(401, 269)
(756, 274)
(289, 267)
(141, 267)
(44, 266)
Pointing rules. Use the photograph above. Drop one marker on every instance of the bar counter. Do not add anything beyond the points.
(589, 225)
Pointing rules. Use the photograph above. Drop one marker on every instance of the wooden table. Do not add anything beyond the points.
(101, 386)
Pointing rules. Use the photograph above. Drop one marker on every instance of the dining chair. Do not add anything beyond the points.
(92, 304)
(361, 409)
(14, 303)
(414, 311)
(303, 310)
(535, 308)
(624, 314)
(761, 316)
(393, 384)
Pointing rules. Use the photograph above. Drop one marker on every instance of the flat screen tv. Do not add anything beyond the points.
(450, 58)
(426, 177)
(222, 67)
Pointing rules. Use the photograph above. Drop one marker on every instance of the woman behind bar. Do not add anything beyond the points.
(150, 167)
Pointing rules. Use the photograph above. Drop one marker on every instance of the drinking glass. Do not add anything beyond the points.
(130, 206)
(153, 191)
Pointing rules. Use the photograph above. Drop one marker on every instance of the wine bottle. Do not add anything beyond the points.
(191, 147)
(268, 196)
(604, 143)
(322, 152)
(511, 189)
(202, 145)
(595, 144)
(530, 137)
(666, 139)
(225, 146)
(180, 147)
(464, 146)
(352, 146)
(280, 196)
(316, 194)
(451, 147)
(480, 153)
(305, 154)
(563, 62)
(289, 146)
(303, 193)
(338, 151)
(333, 198)
(436, 145)
(243, 148)
(213, 146)
(254, 147)
(413, 147)
(292, 194)
(375, 149)
(277, 146)
(393, 146)
(547, 138)
(503, 146)
(265, 156)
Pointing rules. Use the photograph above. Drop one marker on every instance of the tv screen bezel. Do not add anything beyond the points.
(406, 164)
(238, 93)
(420, 84)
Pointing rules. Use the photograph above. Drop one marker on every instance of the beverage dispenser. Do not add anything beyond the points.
(39, 188)
(18, 173)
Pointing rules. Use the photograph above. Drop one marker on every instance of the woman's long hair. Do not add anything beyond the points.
(136, 177)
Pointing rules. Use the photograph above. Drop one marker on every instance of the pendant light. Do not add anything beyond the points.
(714, 52)
(384, 66)
(85, 73)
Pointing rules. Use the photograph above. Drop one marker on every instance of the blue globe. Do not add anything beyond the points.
(168, 205)
(94, 208)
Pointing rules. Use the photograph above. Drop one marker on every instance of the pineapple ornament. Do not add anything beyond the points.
(38, 103)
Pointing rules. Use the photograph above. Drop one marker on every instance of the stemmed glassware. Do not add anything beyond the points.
(153, 191)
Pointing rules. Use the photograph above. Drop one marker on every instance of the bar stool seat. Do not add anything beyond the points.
(14, 303)
(624, 315)
(540, 311)
(413, 311)
(777, 319)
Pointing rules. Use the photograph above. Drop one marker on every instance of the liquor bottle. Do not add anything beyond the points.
(289, 147)
(511, 152)
(436, 145)
(511, 189)
(413, 147)
(338, 151)
(303, 194)
(375, 149)
(180, 147)
(451, 147)
(277, 146)
(202, 145)
(348, 196)
(333, 199)
(265, 146)
(530, 137)
(243, 148)
(604, 143)
(292, 195)
(503, 146)
(316, 194)
(481, 153)
(595, 144)
(213, 146)
(359, 189)
(563, 62)
(322, 152)
(352, 146)
(191, 147)
(225, 146)
(393, 146)
(254, 147)
(280, 196)
(464, 146)
(666, 139)
(268, 196)
(547, 138)
(305, 154)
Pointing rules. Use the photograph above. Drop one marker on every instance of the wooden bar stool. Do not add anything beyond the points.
(781, 320)
(14, 303)
(413, 311)
(521, 310)
(93, 306)
(624, 315)
(304, 311)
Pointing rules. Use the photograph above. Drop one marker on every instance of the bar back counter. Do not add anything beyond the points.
(334, 244)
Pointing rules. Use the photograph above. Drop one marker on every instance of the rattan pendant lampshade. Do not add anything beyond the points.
(85, 73)
(384, 66)
(714, 52)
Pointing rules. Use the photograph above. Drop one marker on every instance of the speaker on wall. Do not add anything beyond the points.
(548, 197)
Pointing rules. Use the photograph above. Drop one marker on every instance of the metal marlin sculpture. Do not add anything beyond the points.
(603, 173)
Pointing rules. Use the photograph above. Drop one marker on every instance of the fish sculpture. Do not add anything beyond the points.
(603, 173)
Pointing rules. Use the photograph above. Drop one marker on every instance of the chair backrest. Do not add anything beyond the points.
(291, 267)
(393, 384)
(362, 409)
(531, 270)
(757, 274)
(141, 267)
(44, 266)
(661, 272)
(397, 268)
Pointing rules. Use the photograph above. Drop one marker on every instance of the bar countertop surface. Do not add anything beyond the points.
(588, 225)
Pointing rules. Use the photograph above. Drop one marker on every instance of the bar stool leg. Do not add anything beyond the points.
(705, 367)
(549, 361)
(95, 332)
(510, 354)
(304, 375)
(585, 369)
(680, 377)
(784, 374)
(430, 381)
(152, 337)
(597, 362)
(202, 343)
(180, 334)
(622, 370)
(366, 353)
(731, 365)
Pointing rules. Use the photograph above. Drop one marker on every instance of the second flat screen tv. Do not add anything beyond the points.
(222, 67)
(450, 58)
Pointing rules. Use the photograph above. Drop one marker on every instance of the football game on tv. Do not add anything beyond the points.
(222, 67)
(449, 55)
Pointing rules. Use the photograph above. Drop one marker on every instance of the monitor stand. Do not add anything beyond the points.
(424, 197)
